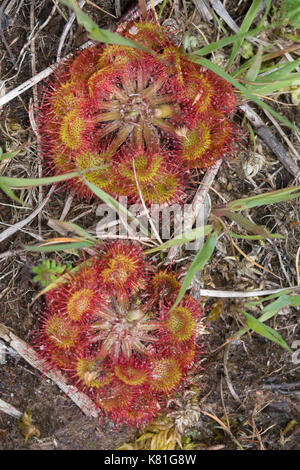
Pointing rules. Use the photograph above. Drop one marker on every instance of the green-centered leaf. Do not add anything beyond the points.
(200, 260)
(265, 331)
(48, 270)
(62, 279)
(186, 237)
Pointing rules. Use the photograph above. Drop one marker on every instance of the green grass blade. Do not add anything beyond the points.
(60, 246)
(8, 155)
(215, 68)
(268, 313)
(273, 86)
(256, 65)
(291, 11)
(272, 308)
(265, 331)
(283, 299)
(282, 73)
(202, 257)
(111, 202)
(231, 40)
(70, 227)
(269, 297)
(30, 182)
(98, 34)
(9, 192)
(245, 26)
(295, 300)
(265, 58)
(186, 237)
(267, 9)
(250, 226)
(255, 237)
(291, 37)
(220, 24)
(273, 197)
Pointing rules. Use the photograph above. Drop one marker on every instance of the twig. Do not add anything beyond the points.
(30, 355)
(13, 59)
(33, 122)
(8, 253)
(36, 79)
(9, 409)
(35, 30)
(49, 70)
(67, 28)
(99, 8)
(204, 10)
(240, 294)
(281, 386)
(223, 13)
(176, 8)
(135, 13)
(10, 6)
(67, 206)
(11, 230)
(3, 351)
(226, 429)
(297, 266)
(118, 8)
(282, 265)
(223, 404)
(255, 430)
(289, 143)
(197, 204)
(104, 236)
(227, 378)
(266, 134)
(270, 139)
(144, 205)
